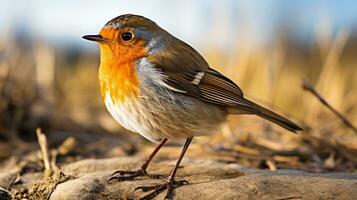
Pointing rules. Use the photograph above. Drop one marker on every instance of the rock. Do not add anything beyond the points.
(85, 187)
(5, 195)
(208, 180)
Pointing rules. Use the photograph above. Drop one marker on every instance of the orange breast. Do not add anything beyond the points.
(117, 72)
(116, 77)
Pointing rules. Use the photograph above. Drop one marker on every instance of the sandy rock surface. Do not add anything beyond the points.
(208, 180)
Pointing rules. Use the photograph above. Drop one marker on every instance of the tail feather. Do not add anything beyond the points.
(253, 108)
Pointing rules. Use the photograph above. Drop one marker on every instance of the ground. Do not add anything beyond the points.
(212, 174)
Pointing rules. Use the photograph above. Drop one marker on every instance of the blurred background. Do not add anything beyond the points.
(48, 76)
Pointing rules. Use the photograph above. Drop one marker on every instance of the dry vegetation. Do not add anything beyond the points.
(56, 89)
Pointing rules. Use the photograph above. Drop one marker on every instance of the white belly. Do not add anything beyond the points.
(129, 114)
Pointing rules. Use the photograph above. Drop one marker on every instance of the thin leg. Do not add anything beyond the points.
(185, 147)
(152, 155)
(122, 175)
(170, 183)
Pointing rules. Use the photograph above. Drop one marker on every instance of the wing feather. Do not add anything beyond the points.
(217, 89)
(208, 85)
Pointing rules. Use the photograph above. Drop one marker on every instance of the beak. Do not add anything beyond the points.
(96, 38)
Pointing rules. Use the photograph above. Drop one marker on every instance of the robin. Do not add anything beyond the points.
(156, 85)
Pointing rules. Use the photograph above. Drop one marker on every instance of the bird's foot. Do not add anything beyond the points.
(124, 175)
(157, 189)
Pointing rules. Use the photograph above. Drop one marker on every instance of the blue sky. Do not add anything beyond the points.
(199, 22)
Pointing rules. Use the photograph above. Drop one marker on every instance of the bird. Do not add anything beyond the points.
(157, 85)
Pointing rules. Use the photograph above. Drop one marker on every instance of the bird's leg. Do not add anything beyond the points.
(170, 184)
(122, 175)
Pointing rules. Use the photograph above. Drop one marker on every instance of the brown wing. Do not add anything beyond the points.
(213, 87)
(208, 85)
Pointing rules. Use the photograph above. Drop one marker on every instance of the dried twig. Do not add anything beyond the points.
(66, 147)
(245, 150)
(308, 87)
(270, 163)
(44, 149)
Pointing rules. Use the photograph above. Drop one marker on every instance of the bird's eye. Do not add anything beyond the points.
(126, 36)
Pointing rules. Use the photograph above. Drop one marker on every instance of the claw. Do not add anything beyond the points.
(157, 189)
(111, 178)
(122, 175)
(122, 172)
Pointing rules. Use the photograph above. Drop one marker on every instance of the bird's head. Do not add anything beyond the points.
(127, 38)
(124, 40)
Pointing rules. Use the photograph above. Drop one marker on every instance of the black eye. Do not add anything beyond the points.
(126, 36)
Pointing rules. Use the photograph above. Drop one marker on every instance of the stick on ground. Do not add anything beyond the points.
(44, 149)
(308, 87)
